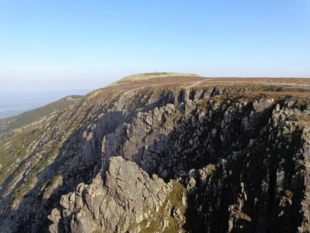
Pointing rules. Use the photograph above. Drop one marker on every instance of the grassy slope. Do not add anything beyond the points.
(8, 125)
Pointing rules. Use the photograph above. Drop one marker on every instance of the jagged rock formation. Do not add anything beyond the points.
(196, 156)
(128, 200)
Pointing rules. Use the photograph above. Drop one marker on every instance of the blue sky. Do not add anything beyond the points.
(64, 44)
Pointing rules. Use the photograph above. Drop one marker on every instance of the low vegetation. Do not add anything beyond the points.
(8, 125)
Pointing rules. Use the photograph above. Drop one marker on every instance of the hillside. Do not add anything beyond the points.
(8, 113)
(9, 125)
(179, 153)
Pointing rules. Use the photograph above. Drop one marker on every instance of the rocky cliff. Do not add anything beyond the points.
(175, 154)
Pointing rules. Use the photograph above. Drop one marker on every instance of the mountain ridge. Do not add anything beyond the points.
(218, 145)
(9, 124)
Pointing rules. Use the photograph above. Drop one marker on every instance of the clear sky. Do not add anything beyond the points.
(78, 44)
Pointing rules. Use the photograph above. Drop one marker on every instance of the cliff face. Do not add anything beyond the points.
(171, 158)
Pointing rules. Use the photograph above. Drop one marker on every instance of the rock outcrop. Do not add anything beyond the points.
(127, 200)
